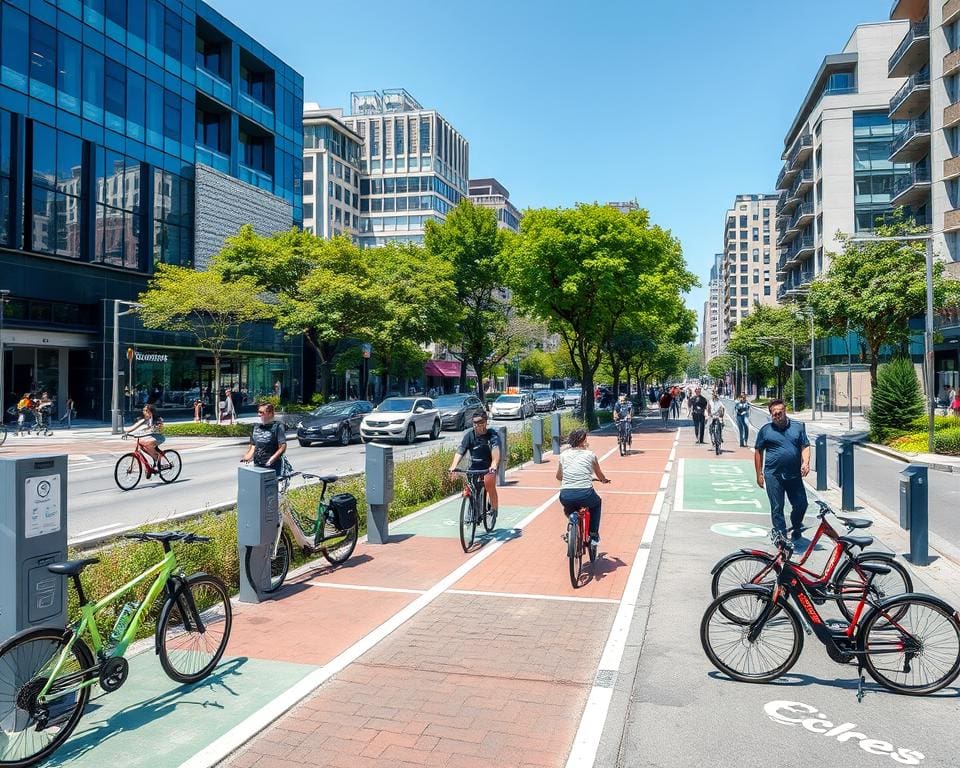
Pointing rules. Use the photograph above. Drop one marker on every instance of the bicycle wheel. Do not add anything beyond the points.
(574, 552)
(727, 644)
(279, 563)
(336, 545)
(848, 582)
(739, 570)
(468, 523)
(187, 653)
(622, 443)
(25, 664)
(3, 434)
(128, 472)
(170, 466)
(911, 645)
(489, 513)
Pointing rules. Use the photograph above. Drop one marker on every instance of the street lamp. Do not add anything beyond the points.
(793, 362)
(3, 379)
(115, 412)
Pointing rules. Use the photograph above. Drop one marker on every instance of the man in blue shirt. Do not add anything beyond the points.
(782, 460)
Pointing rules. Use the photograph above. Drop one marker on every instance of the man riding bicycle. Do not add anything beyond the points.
(715, 415)
(623, 415)
(483, 445)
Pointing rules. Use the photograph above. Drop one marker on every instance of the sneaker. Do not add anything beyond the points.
(594, 541)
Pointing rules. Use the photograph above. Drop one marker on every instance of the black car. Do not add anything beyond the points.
(456, 411)
(544, 400)
(337, 422)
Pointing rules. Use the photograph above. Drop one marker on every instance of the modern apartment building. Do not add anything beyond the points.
(711, 341)
(331, 174)
(490, 193)
(414, 165)
(134, 134)
(747, 272)
(838, 175)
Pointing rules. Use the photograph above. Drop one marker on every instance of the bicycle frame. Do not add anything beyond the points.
(304, 537)
(163, 571)
(581, 519)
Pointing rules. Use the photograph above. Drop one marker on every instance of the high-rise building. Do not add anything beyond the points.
(331, 174)
(838, 175)
(134, 134)
(490, 193)
(711, 342)
(626, 206)
(747, 273)
(414, 165)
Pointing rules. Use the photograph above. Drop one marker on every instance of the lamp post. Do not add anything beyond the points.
(793, 363)
(116, 415)
(3, 379)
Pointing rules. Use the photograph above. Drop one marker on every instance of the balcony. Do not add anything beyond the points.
(908, 9)
(951, 220)
(951, 115)
(951, 63)
(912, 143)
(912, 99)
(951, 167)
(951, 10)
(802, 217)
(802, 184)
(786, 235)
(912, 188)
(913, 51)
(802, 248)
(785, 177)
(802, 149)
(781, 292)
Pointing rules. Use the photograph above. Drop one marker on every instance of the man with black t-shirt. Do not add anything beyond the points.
(698, 412)
(483, 445)
(268, 442)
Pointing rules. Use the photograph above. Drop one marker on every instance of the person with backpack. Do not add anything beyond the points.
(268, 442)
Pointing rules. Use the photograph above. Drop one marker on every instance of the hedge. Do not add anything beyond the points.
(200, 429)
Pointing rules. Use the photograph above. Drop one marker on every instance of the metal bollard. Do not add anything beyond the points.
(502, 468)
(845, 475)
(538, 440)
(821, 459)
(914, 511)
(555, 433)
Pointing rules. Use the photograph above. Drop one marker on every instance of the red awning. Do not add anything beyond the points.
(447, 369)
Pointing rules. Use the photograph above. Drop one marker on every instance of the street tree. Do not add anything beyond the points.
(214, 309)
(583, 269)
(719, 366)
(767, 337)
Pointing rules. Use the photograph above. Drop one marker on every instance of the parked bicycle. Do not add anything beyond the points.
(332, 533)
(842, 578)
(475, 507)
(624, 435)
(909, 643)
(48, 672)
(132, 466)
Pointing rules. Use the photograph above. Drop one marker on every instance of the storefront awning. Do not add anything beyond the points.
(447, 369)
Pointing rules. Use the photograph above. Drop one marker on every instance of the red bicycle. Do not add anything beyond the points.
(842, 579)
(578, 542)
(132, 466)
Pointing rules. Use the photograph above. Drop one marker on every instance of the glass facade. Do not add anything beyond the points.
(874, 176)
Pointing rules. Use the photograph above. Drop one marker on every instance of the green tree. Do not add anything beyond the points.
(720, 365)
(693, 367)
(538, 364)
(583, 269)
(205, 304)
(896, 399)
(876, 288)
(795, 388)
(767, 338)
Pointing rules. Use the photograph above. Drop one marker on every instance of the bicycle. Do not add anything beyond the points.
(333, 533)
(624, 435)
(842, 578)
(716, 434)
(131, 466)
(49, 671)
(579, 542)
(897, 640)
(3, 433)
(475, 507)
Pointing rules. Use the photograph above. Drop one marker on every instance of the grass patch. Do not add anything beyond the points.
(199, 429)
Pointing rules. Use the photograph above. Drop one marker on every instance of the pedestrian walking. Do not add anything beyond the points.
(698, 412)
(782, 460)
(665, 402)
(742, 411)
(227, 411)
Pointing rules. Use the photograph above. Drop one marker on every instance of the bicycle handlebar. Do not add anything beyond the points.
(470, 471)
(181, 536)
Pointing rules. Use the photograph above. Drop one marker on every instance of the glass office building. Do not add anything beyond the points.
(133, 133)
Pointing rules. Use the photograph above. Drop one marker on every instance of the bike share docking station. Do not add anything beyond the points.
(821, 461)
(378, 468)
(913, 511)
(555, 438)
(538, 440)
(33, 535)
(845, 476)
(258, 515)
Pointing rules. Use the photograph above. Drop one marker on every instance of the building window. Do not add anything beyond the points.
(115, 89)
(766, 290)
(874, 176)
(6, 150)
(173, 219)
(171, 34)
(43, 61)
(56, 169)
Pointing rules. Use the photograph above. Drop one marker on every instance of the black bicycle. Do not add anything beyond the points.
(624, 434)
(716, 434)
(475, 507)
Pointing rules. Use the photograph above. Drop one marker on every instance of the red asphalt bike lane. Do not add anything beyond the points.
(429, 656)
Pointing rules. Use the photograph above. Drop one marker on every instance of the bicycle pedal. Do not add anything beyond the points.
(564, 537)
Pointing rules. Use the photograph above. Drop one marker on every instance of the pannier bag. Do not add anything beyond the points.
(343, 507)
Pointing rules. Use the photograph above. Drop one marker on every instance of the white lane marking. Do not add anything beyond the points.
(678, 496)
(719, 511)
(605, 490)
(103, 528)
(520, 596)
(364, 588)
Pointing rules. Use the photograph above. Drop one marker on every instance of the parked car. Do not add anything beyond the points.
(457, 410)
(544, 401)
(512, 406)
(402, 418)
(333, 423)
(558, 396)
(572, 397)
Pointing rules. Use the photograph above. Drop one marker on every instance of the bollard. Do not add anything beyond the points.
(845, 475)
(379, 490)
(821, 459)
(914, 511)
(538, 440)
(258, 517)
(555, 433)
(502, 467)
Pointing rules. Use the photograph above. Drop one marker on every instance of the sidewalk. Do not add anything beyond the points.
(415, 653)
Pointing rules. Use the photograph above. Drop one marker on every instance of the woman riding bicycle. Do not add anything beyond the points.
(150, 437)
(575, 472)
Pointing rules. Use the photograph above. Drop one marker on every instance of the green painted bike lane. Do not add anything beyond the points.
(722, 486)
(443, 521)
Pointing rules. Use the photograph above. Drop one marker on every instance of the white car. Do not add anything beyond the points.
(513, 407)
(401, 418)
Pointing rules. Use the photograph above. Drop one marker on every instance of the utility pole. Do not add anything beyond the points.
(3, 379)
(116, 415)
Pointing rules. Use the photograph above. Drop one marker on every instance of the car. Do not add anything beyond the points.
(559, 398)
(512, 406)
(544, 401)
(337, 422)
(572, 397)
(402, 419)
(457, 410)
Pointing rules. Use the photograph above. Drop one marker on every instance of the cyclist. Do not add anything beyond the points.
(742, 410)
(150, 437)
(268, 442)
(576, 471)
(483, 445)
(623, 412)
(715, 414)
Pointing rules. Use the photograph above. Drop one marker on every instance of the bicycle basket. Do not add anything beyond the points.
(343, 508)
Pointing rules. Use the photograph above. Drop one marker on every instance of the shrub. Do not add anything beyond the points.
(896, 400)
(946, 441)
(939, 422)
(910, 443)
(195, 429)
(795, 384)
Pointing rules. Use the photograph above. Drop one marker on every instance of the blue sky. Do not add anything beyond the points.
(680, 104)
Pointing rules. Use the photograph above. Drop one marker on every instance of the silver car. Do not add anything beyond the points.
(456, 411)
(512, 407)
(402, 418)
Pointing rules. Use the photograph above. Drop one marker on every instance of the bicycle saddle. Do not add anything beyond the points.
(72, 567)
(855, 522)
(856, 541)
(328, 478)
(875, 568)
